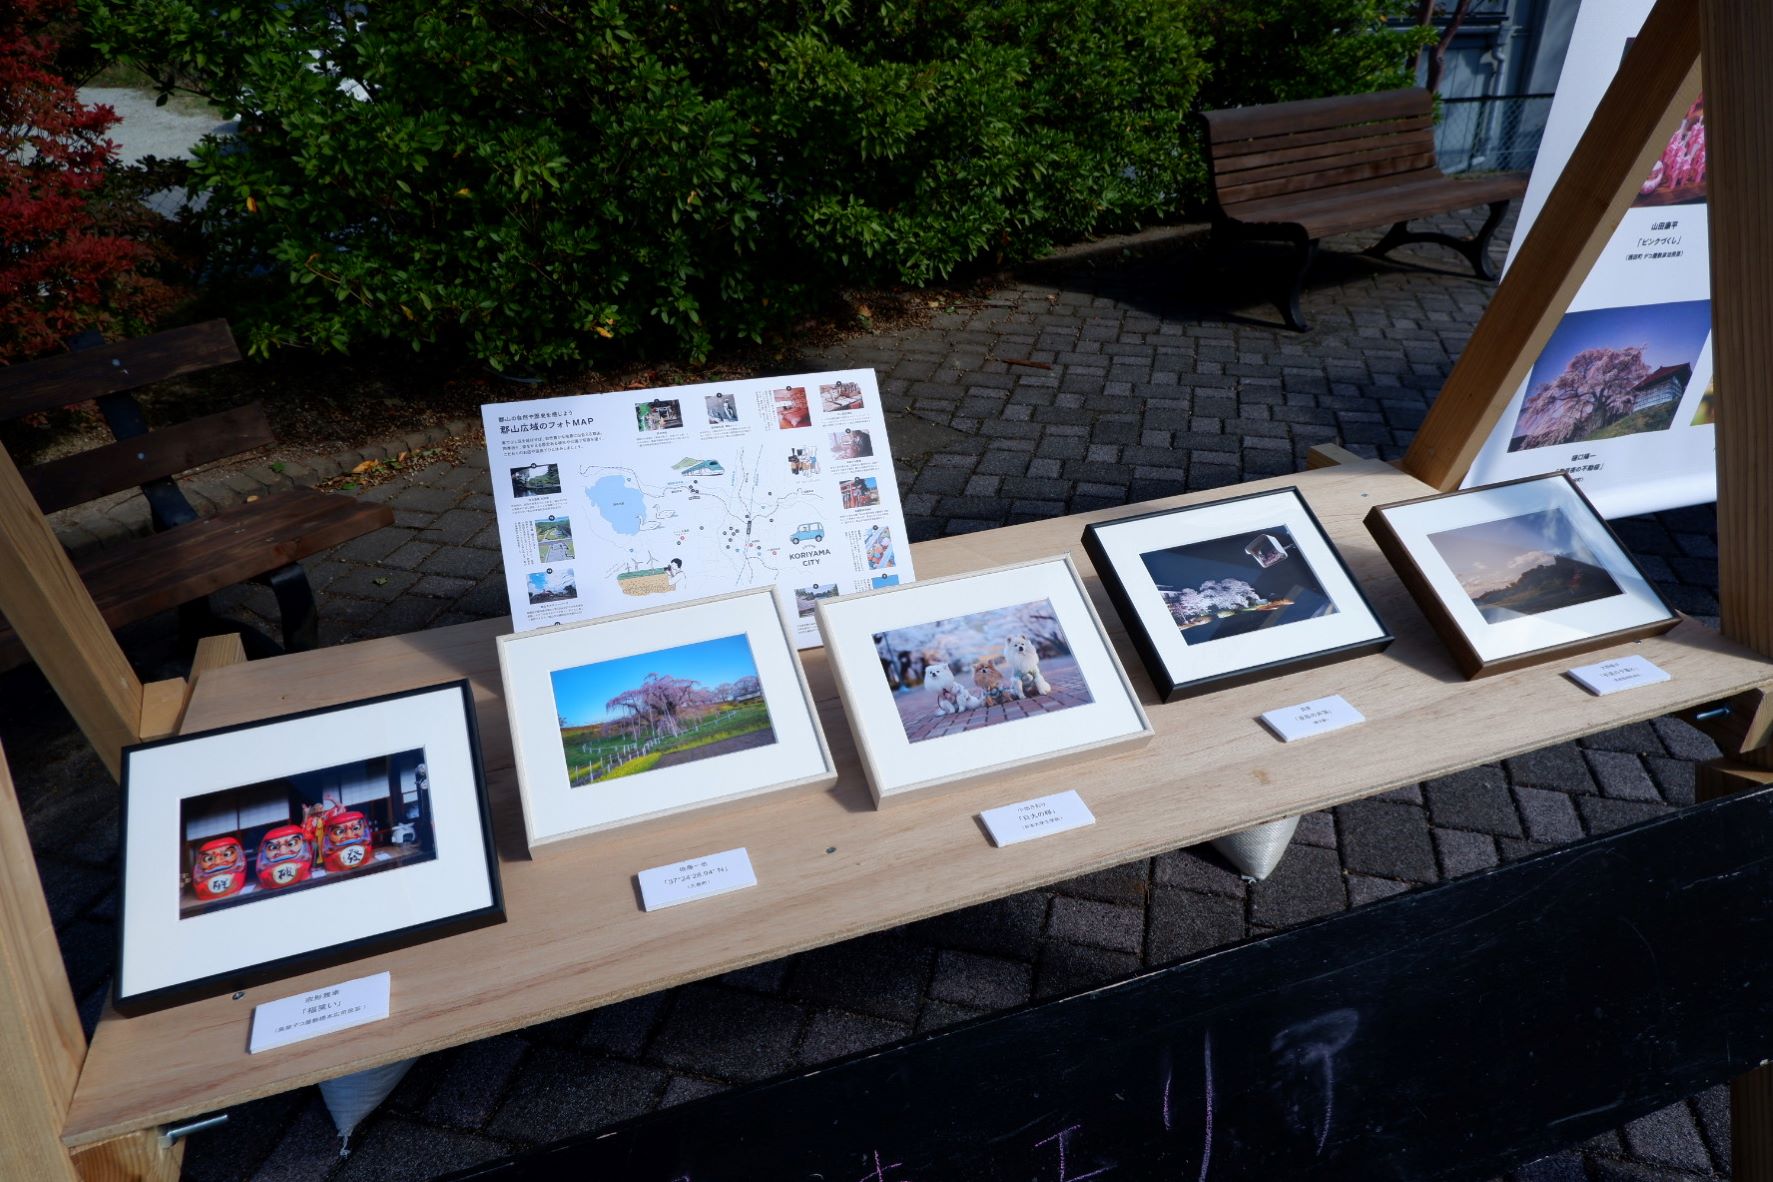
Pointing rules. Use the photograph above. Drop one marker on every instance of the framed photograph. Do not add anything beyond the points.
(947, 681)
(258, 851)
(1232, 591)
(1517, 573)
(650, 713)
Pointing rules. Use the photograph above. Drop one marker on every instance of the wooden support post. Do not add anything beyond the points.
(41, 1044)
(1737, 39)
(1655, 85)
(49, 608)
(137, 1157)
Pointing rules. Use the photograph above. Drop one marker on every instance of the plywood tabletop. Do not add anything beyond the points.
(829, 865)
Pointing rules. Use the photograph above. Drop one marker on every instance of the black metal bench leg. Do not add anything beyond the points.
(1306, 251)
(295, 604)
(1476, 249)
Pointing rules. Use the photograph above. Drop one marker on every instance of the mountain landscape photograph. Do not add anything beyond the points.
(1523, 566)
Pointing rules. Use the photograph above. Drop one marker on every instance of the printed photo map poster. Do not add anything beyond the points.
(616, 502)
(1622, 396)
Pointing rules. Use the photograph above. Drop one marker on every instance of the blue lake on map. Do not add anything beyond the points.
(620, 503)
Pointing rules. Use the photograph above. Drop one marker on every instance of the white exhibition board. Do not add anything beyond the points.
(615, 502)
(1621, 398)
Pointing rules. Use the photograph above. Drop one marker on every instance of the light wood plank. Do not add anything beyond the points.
(1193, 782)
(41, 1044)
(49, 608)
(1737, 39)
(1655, 85)
(217, 652)
(134, 1157)
(163, 705)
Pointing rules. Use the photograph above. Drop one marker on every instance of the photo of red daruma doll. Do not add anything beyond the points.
(284, 857)
(220, 869)
(347, 841)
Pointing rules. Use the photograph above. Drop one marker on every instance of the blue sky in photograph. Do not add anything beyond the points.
(580, 694)
(1672, 334)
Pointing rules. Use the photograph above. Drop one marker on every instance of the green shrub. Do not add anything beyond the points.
(1272, 51)
(531, 178)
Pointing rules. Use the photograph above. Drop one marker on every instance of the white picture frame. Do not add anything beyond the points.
(1300, 606)
(577, 749)
(1517, 573)
(229, 872)
(945, 731)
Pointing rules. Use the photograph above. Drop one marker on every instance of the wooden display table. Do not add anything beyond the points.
(829, 865)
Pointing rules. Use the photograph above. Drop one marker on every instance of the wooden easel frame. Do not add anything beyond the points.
(41, 1046)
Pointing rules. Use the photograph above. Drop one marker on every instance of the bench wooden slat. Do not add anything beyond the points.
(1237, 123)
(1226, 152)
(139, 578)
(1407, 139)
(1311, 171)
(127, 463)
(1392, 170)
(1377, 202)
(110, 369)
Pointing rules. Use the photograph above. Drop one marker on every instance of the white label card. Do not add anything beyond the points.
(1609, 677)
(1312, 718)
(319, 1011)
(696, 878)
(1037, 818)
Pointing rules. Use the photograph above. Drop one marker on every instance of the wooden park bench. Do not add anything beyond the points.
(188, 556)
(1298, 172)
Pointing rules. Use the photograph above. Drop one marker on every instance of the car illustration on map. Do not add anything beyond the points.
(812, 531)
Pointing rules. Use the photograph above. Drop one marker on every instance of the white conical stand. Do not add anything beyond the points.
(1254, 853)
(350, 1098)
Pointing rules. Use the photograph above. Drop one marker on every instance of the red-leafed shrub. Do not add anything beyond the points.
(68, 261)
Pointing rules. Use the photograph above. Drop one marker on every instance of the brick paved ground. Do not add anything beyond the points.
(1100, 380)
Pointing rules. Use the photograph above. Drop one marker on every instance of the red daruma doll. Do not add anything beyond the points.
(220, 869)
(347, 841)
(284, 857)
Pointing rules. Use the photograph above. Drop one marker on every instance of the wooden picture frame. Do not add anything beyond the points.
(1324, 615)
(576, 678)
(358, 828)
(1469, 559)
(916, 731)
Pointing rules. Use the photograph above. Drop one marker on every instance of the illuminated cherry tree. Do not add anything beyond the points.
(1595, 389)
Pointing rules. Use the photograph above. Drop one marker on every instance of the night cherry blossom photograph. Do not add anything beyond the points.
(1237, 584)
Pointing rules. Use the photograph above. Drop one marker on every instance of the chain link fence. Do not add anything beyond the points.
(1494, 133)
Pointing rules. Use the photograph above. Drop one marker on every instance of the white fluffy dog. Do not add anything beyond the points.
(951, 696)
(1023, 660)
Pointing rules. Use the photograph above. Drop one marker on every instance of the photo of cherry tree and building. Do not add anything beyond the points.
(1612, 372)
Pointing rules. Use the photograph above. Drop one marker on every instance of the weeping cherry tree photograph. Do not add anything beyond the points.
(635, 714)
(1611, 372)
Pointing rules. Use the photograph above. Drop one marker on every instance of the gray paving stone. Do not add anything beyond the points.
(1550, 816)
(1477, 799)
(1363, 889)
(1684, 741)
(1199, 869)
(1386, 839)
(1603, 816)
(1067, 968)
(308, 1150)
(684, 1088)
(1462, 852)
(1559, 767)
(881, 975)
(1103, 925)
(725, 1033)
(1005, 927)
(566, 1092)
(1128, 883)
(980, 982)
(1622, 775)
(472, 1080)
(1307, 884)
(833, 1034)
(623, 1028)
(1669, 1137)
(1182, 923)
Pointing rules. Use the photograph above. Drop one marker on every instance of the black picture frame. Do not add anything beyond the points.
(1172, 687)
(326, 956)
